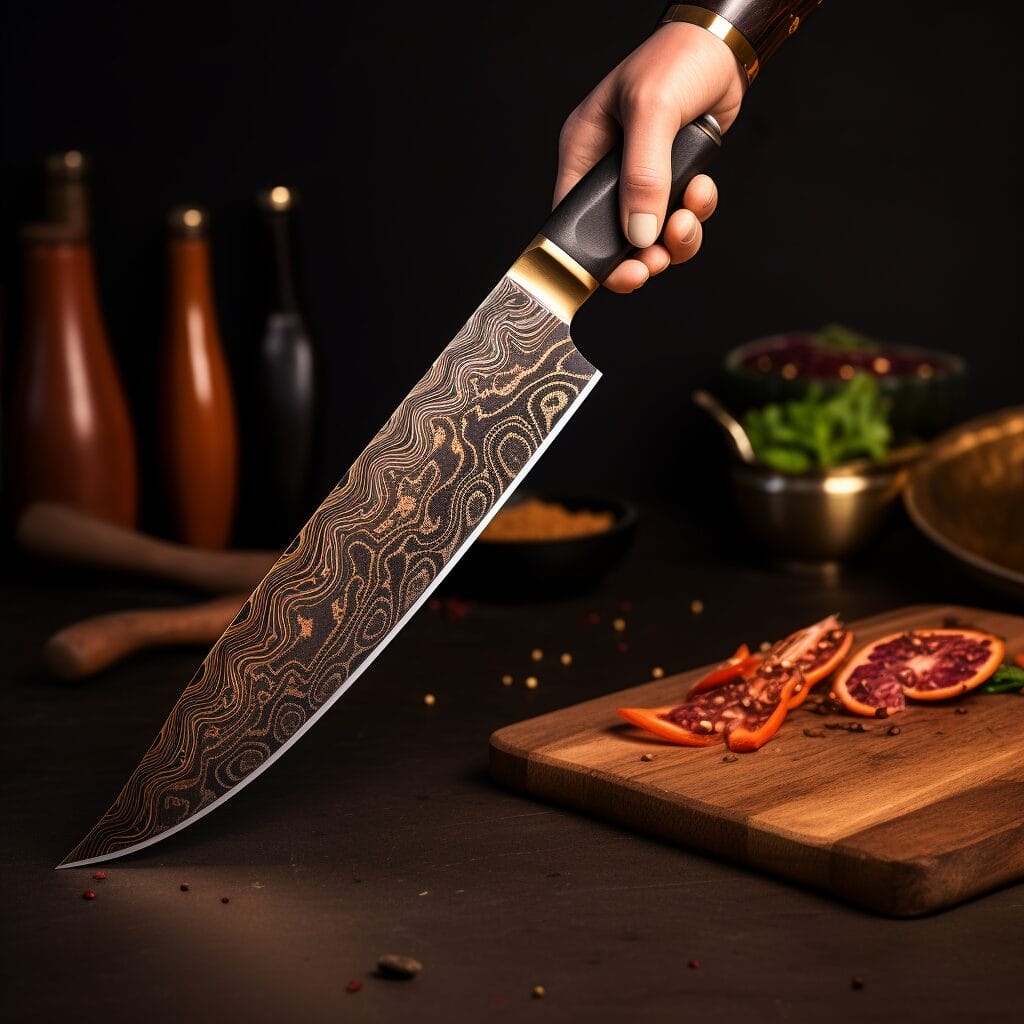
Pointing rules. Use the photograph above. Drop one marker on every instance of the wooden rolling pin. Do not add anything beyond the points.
(94, 644)
(63, 533)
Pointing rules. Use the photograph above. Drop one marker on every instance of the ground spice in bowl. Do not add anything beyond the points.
(534, 519)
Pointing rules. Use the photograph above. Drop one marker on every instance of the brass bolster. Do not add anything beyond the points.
(725, 30)
(553, 278)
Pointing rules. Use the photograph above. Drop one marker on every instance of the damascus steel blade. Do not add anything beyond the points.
(384, 538)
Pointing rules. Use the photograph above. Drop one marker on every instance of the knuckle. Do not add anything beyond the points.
(642, 179)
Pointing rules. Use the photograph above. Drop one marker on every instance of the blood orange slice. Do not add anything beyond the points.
(924, 664)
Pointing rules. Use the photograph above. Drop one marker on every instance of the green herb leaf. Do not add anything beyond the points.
(822, 430)
(1005, 679)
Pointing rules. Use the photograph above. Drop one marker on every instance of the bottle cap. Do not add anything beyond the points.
(70, 164)
(280, 197)
(188, 221)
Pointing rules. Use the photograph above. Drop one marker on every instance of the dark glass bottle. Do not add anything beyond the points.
(285, 383)
(198, 427)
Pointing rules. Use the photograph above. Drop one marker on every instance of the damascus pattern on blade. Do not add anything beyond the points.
(370, 552)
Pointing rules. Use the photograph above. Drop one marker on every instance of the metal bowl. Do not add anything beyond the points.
(817, 520)
(967, 496)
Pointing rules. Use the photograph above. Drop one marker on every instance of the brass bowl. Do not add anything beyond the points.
(817, 520)
(967, 496)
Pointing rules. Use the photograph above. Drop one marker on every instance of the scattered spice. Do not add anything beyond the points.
(693, 965)
(618, 625)
(696, 607)
(894, 730)
(225, 899)
(88, 895)
(100, 876)
(729, 758)
(531, 682)
(538, 992)
(507, 680)
(394, 965)
(857, 983)
(961, 711)
(566, 658)
(429, 699)
(646, 757)
(353, 986)
(814, 733)
(846, 726)
(657, 672)
(537, 654)
(184, 887)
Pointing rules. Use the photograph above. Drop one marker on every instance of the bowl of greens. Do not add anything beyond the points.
(824, 473)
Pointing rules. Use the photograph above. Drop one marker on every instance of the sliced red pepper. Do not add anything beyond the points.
(1020, 659)
(739, 664)
(652, 720)
(724, 713)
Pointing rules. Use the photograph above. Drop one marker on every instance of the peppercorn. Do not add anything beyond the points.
(537, 654)
(894, 730)
(696, 606)
(88, 895)
(507, 680)
(693, 965)
(657, 672)
(184, 887)
(646, 757)
(857, 983)
(429, 699)
(225, 899)
(531, 682)
(538, 992)
(618, 625)
(100, 876)
(566, 658)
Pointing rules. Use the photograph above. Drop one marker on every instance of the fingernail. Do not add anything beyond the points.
(691, 233)
(642, 229)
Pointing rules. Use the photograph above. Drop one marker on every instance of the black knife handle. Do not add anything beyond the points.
(586, 223)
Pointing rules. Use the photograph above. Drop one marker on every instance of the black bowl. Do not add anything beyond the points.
(540, 569)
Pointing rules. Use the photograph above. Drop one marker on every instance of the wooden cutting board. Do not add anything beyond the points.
(902, 825)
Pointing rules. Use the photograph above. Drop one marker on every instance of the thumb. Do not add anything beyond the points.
(646, 178)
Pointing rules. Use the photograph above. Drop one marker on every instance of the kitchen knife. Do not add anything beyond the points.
(411, 504)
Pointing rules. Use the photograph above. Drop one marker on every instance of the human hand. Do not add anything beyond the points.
(677, 74)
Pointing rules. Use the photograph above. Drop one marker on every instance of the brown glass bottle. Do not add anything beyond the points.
(197, 407)
(70, 434)
(285, 394)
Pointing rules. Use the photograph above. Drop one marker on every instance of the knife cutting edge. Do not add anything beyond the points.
(420, 493)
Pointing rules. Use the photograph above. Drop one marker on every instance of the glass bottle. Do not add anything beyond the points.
(285, 381)
(199, 443)
(70, 433)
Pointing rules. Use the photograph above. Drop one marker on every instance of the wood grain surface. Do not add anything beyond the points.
(902, 825)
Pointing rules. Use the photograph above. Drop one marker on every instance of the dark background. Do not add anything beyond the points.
(869, 180)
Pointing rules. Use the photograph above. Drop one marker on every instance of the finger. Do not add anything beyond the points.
(588, 133)
(646, 177)
(627, 277)
(701, 197)
(683, 235)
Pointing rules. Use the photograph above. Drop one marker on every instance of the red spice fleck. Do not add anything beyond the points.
(100, 876)
(625, 606)
(693, 965)
(353, 986)
(434, 604)
(622, 647)
(593, 618)
(88, 895)
(224, 899)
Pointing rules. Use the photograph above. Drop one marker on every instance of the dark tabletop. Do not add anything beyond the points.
(382, 832)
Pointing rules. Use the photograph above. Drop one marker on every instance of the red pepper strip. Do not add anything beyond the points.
(1020, 659)
(651, 720)
(743, 740)
(739, 664)
(815, 675)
